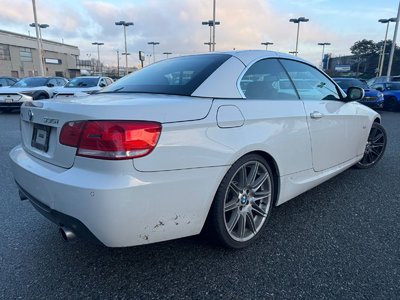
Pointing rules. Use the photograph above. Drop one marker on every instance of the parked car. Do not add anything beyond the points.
(391, 93)
(7, 81)
(83, 85)
(381, 79)
(36, 88)
(205, 139)
(373, 98)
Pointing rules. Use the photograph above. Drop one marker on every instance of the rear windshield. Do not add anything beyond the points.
(82, 82)
(175, 76)
(31, 82)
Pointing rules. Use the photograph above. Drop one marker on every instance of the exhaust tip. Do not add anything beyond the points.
(67, 234)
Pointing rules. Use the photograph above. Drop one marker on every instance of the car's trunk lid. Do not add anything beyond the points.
(41, 121)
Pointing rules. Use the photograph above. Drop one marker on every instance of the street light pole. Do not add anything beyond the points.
(266, 44)
(393, 44)
(167, 53)
(125, 24)
(98, 56)
(154, 54)
(213, 41)
(382, 58)
(323, 51)
(210, 23)
(117, 63)
(297, 21)
(37, 39)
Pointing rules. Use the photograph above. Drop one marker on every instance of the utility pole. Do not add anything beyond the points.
(393, 44)
(37, 38)
(213, 41)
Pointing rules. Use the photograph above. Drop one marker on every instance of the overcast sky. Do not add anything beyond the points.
(176, 24)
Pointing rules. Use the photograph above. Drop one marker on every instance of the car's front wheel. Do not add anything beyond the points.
(391, 104)
(375, 147)
(243, 202)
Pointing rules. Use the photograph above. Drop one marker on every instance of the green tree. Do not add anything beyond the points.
(364, 47)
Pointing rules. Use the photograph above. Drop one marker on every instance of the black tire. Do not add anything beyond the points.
(391, 104)
(375, 147)
(249, 184)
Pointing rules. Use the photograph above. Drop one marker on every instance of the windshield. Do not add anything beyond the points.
(175, 76)
(82, 82)
(31, 82)
(346, 83)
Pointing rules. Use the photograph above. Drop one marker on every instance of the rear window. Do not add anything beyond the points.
(175, 76)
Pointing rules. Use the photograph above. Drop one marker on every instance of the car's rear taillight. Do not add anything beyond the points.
(111, 139)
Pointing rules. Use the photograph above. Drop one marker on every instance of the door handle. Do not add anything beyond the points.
(316, 115)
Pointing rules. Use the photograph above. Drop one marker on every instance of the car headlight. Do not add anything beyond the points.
(380, 95)
(28, 93)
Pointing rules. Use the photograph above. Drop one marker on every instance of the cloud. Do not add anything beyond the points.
(176, 25)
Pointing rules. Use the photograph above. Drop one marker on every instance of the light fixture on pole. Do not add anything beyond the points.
(167, 54)
(40, 42)
(98, 55)
(323, 51)
(298, 21)
(266, 44)
(293, 52)
(154, 54)
(382, 57)
(125, 24)
(210, 24)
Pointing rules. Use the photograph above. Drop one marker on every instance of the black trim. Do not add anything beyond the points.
(61, 219)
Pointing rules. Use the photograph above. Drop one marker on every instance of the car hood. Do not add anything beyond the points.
(134, 106)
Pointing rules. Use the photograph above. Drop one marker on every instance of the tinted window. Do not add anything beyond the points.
(392, 86)
(267, 79)
(61, 81)
(109, 81)
(53, 81)
(3, 82)
(31, 82)
(178, 76)
(82, 82)
(310, 83)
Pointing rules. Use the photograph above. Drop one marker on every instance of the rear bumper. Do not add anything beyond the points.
(61, 219)
(10, 104)
(118, 205)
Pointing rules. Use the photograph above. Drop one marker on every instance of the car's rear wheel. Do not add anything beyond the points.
(243, 202)
(375, 147)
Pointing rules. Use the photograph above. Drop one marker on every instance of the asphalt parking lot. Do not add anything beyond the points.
(339, 240)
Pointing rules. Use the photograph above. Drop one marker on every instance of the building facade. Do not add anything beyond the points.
(19, 57)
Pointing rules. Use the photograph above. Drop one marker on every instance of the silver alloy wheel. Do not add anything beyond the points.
(375, 147)
(247, 201)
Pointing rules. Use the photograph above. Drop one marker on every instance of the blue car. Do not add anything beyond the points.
(373, 97)
(391, 92)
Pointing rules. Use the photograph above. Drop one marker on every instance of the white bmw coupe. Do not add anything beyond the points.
(216, 139)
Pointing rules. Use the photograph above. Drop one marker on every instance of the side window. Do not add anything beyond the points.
(310, 83)
(378, 86)
(53, 81)
(109, 81)
(266, 79)
(60, 82)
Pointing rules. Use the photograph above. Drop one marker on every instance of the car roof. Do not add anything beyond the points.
(249, 56)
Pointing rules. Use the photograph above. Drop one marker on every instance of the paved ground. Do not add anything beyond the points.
(339, 240)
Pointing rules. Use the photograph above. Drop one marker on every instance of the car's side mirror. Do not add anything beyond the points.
(50, 85)
(355, 93)
(102, 85)
(1, 84)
